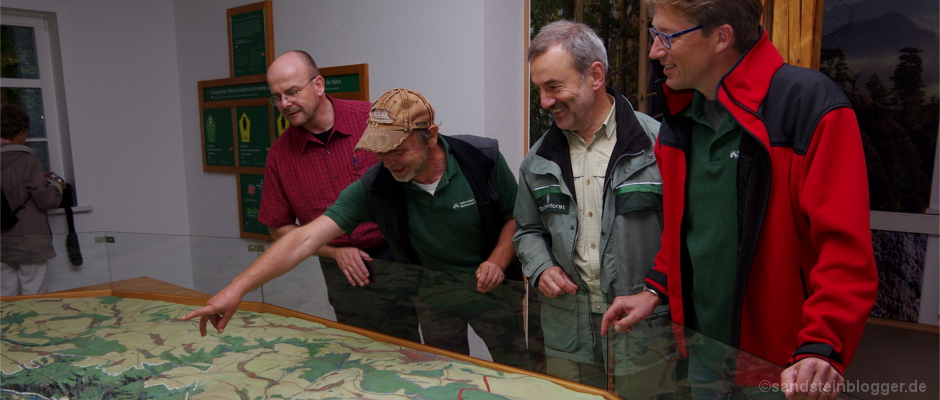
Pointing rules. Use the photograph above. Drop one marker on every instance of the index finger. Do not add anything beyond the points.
(200, 312)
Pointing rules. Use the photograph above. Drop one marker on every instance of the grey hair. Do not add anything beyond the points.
(578, 39)
(423, 136)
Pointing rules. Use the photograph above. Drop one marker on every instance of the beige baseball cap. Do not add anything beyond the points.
(392, 118)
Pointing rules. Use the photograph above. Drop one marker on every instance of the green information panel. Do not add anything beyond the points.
(248, 52)
(254, 135)
(280, 123)
(245, 91)
(342, 83)
(217, 132)
(251, 203)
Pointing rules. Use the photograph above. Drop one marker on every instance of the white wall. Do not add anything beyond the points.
(202, 49)
(131, 70)
(120, 70)
(466, 57)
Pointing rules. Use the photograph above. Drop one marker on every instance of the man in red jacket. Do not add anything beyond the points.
(767, 244)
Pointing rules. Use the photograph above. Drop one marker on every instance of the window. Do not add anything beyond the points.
(28, 79)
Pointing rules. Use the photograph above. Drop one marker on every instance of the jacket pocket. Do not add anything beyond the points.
(560, 321)
(639, 196)
(550, 199)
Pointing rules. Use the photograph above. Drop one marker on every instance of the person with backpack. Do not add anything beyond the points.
(443, 203)
(25, 245)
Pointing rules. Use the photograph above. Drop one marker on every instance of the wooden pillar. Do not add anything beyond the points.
(643, 74)
(795, 28)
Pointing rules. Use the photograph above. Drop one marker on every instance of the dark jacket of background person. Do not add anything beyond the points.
(30, 240)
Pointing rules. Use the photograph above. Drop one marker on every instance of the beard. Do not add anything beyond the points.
(410, 174)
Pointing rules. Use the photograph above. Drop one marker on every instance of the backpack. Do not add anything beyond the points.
(7, 216)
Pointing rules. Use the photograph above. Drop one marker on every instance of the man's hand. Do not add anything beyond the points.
(488, 276)
(554, 281)
(628, 310)
(350, 260)
(811, 379)
(218, 310)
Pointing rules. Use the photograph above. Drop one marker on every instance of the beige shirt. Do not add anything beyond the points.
(588, 165)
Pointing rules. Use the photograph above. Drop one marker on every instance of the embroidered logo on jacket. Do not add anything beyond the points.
(551, 199)
(465, 203)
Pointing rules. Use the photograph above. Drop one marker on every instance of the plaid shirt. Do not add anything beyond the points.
(303, 176)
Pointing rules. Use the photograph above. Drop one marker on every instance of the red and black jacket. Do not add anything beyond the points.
(805, 279)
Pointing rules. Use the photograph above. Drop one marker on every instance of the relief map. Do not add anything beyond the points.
(122, 348)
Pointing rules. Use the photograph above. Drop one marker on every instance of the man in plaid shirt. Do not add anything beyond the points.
(306, 169)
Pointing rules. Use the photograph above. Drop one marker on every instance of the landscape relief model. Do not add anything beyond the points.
(123, 348)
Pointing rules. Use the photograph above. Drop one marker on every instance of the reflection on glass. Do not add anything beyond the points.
(657, 359)
(18, 46)
(30, 99)
(448, 302)
(886, 55)
(384, 305)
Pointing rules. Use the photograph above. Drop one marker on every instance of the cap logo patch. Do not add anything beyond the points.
(381, 116)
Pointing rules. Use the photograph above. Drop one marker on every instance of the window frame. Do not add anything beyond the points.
(53, 100)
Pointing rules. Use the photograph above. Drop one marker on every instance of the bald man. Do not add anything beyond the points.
(307, 168)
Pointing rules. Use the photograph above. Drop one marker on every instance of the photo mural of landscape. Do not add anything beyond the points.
(886, 56)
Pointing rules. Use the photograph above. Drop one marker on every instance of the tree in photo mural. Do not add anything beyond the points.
(617, 22)
(885, 57)
(899, 129)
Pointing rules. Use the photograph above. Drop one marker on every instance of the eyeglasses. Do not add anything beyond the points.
(666, 39)
(290, 95)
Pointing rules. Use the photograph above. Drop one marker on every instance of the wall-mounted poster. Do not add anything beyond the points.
(217, 134)
(350, 82)
(248, 125)
(251, 39)
(280, 123)
(254, 135)
(249, 194)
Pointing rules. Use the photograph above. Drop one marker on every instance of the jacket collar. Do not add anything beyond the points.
(16, 147)
(745, 85)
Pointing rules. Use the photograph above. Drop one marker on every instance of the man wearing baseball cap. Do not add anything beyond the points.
(444, 203)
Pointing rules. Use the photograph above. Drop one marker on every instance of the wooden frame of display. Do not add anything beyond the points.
(268, 19)
(162, 291)
(362, 73)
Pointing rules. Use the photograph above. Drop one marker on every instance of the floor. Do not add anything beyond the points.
(888, 355)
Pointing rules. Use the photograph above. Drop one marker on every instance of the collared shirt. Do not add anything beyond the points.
(445, 227)
(589, 166)
(303, 176)
(711, 219)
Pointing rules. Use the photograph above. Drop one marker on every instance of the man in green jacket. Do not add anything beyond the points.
(589, 214)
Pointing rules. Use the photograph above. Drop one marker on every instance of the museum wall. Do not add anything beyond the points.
(466, 57)
(131, 69)
(120, 75)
